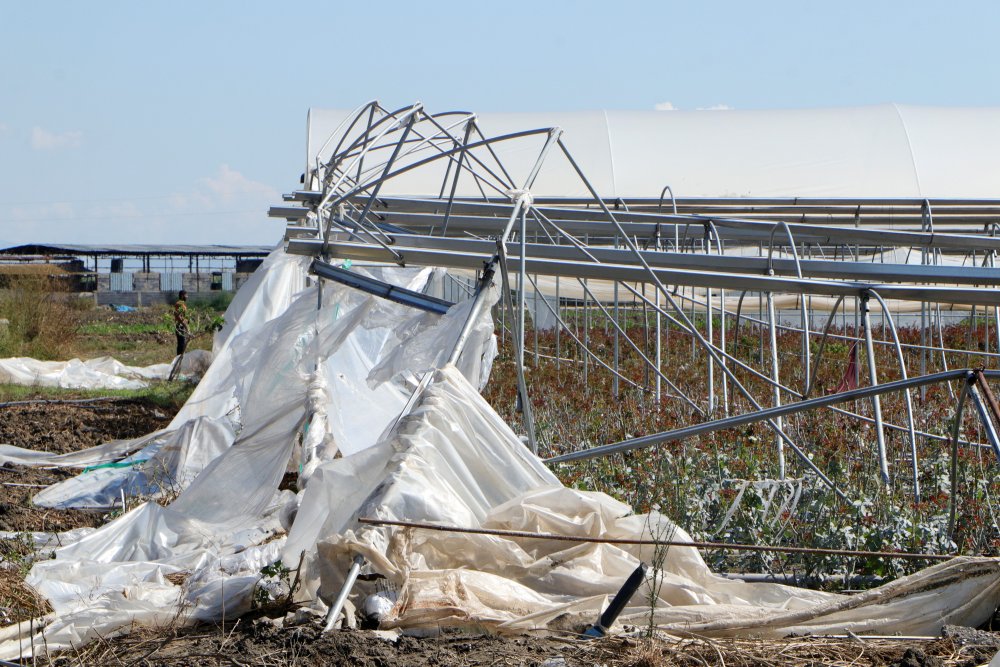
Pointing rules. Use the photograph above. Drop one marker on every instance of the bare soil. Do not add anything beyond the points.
(255, 643)
(258, 642)
(61, 428)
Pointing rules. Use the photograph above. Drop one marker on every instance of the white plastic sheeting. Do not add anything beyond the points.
(99, 373)
(299, 377)
(453, 462)
(874, 151)
(310, 401)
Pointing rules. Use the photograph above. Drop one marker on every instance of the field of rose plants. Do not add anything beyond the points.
(725, 486)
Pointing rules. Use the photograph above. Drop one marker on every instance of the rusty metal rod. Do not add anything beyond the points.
(988, 393)
(669, 543)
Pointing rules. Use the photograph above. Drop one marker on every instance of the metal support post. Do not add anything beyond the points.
(911, 429)
(883, 463)
(776, 391)
(956, 431)
(524, 403)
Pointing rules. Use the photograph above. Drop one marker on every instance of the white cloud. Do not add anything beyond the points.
(669, 106)
(3, 128)
(229, 185)
(43, 140)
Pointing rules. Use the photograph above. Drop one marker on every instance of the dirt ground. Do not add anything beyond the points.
(259, 642)
(60, 428)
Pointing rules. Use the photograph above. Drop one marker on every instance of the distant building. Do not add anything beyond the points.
(135, 275)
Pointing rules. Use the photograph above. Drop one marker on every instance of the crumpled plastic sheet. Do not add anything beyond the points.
(425, 343)
(166, 462)
(452, 464)
(284, 375)
(98, 373)
(117, 576)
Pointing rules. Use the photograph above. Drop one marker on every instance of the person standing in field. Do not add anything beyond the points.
(181, 322)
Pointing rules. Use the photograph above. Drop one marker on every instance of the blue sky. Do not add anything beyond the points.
(181, 122)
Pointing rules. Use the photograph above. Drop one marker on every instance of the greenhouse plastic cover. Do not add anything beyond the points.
(296, 391)
(878, 151)
(99, 373)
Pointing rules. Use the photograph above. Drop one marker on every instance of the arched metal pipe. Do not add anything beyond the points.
(822, 346)
(906, 395)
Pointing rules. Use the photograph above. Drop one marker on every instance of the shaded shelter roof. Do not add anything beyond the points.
(138, 250)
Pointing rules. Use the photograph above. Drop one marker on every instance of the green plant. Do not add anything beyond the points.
(725, 486)
(275, 586)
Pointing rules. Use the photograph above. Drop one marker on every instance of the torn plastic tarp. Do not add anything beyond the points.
(116, 576)
(454, 462)
(99, 373)
(167, 461)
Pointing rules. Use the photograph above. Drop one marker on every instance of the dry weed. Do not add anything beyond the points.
(41, 323)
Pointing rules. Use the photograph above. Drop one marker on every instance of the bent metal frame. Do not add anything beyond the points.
(694, 265)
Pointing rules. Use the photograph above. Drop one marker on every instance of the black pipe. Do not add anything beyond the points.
(628, 589)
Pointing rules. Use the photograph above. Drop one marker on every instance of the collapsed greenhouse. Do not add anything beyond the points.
(354, 359)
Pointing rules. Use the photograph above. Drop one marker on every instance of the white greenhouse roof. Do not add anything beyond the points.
(875, 151)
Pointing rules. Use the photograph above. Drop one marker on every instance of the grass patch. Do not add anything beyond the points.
(113, 328)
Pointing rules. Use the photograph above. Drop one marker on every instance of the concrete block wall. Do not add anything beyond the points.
(146, 282)
(135, 299)
(119, 299)
(197, 282)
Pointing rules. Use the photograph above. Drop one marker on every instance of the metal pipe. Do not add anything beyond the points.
(524, 402)
(984, 417)
(618, 603)
(659, 376)
(822, 346)
(726, 357)
(906, 396)
(776, 392)
(883, 463)
(380, 288)
(522, 286)
(420, 255)
(458, 172)
(955, 432)
(708, 347)
(758, 416)
(988, 393)
(338, 604)
(484, 287)
(587, 349)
